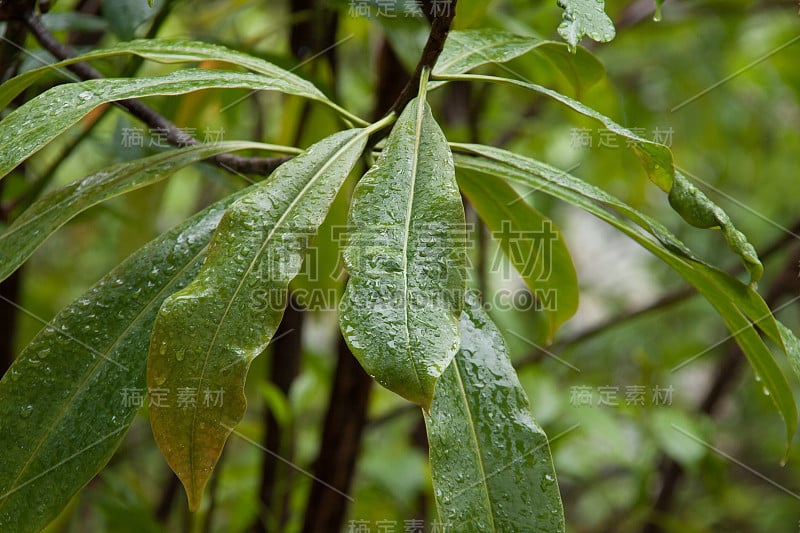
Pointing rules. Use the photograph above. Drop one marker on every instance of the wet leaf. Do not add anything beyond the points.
(688, 201)
(533, 244)
(467, 49)
(490, 461)
(38, 121)
(406, 259)
(68, 399)
(740, 307)
(56, 208)
(207, 334)
(168, 51)
(585, 17)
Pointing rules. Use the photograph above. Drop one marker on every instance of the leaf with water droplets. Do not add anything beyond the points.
(467, 49)
(585, 17)
(739, 305)
(207, 334)
(490, 461)
(169, 51)
(686, 199)
(531, 241)
(40, 120)
(406, 260)
(69, 397)
(56, 208)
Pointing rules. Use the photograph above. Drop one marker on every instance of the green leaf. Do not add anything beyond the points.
(580, 67)
(738, 304)
(169, 51)
(585, 17)
(406, 259)
(207, 334)
(40, 120)
(56, 208)
(531, 241)
(125, 16)
(688, 201)
(466, 49)
(69, 397)
(490, 461)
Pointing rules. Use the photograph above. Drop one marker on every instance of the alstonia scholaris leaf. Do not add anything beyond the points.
(406, 260)
(738, 304)
(206, 335)
(490, 461)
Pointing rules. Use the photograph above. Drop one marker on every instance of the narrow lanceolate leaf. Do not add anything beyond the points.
(406, 260)
(69, 397)
(38, 121)
(738, 304)
(687, 200)
(490, 461)
(56, 208)
(167, 51)
(206, 335)
(533, 244)
(585, 17)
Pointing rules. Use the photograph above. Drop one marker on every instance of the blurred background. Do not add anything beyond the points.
(656, 421)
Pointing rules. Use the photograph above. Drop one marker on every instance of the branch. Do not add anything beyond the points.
(340, 445)
(175, 136)
(442, 14)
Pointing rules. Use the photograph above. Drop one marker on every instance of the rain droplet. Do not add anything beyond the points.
(25, 411)
(85, 95)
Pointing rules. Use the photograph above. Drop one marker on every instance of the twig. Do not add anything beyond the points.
(175, 136)
(442, 15)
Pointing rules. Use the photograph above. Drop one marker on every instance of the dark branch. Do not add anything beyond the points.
(341, 442)
(175, 136)
(441, 14)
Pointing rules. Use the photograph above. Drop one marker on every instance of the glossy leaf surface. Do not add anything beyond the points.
(39, 120)
(167, 51)
(207, 334)
(688, 201)
(467, 49)
(406, 260)
(68, 399)
(490, 461)
(738, 304)
(56, 208)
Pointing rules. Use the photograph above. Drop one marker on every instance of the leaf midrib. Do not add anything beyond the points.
(409, 209)
(474, 434)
